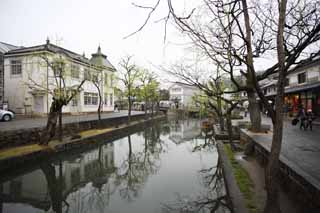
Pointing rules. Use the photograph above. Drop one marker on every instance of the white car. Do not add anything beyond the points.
(6, 115)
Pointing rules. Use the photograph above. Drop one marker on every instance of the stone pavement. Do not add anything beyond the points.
(300, 149)
(17, 124)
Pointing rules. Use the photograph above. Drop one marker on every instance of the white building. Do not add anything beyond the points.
(183, 93)
(4, 48)
(28, 78)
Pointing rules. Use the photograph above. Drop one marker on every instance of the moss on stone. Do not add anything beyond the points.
(21, 151)
(94, 132)
(243, 180)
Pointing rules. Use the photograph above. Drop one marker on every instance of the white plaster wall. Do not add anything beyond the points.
(18, 93)
(185, 93)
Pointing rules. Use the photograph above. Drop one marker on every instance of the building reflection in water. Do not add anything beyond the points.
(48, 187)
(86, 181)
(112, 175)
(184, 130)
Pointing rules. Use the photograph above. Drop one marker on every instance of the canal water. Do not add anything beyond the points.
(169, 166)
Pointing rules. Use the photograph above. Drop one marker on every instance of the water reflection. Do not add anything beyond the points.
(138, 173)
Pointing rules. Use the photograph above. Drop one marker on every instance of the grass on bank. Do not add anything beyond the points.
(243, 180)
(20, 151)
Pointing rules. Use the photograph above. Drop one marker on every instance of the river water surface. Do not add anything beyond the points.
(169, 166)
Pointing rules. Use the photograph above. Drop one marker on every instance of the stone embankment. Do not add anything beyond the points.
(298, 165)
(26, 136)
(22, 155)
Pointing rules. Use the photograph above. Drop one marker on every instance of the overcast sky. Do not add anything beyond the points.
(81, 25)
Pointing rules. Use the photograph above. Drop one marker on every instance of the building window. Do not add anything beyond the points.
(176, 90)
(265, 91)
(86, 75)
(74, 101)
(90, 98)
(287, 82)
(94, 77)
(75, 71)
(16, 67)
(301, 78)
(111, 99)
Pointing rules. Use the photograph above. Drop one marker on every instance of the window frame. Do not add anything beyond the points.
(13, 67)
(90, 98)
(299, 76)
(75, 71)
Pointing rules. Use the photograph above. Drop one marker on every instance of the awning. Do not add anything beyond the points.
(302, 88)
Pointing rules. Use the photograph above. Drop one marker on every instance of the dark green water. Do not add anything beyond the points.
(166, 167)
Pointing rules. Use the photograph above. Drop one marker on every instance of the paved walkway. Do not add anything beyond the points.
(301, 148)
(17, 124)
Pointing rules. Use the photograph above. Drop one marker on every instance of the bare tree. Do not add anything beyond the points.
(61, 94)
(129, 74)
(97, 80)
(236, 32)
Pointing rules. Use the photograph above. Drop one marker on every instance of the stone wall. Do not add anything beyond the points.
(23, 164)
(292, 179)
(30, 136)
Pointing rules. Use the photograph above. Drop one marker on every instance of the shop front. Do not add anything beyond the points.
(306, 97)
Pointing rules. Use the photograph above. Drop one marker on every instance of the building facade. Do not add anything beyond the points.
(302, 88)
(4, 48)
(30, 80)
(182, 94)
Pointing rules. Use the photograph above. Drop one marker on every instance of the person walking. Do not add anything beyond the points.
(302, 117)
(309, 119)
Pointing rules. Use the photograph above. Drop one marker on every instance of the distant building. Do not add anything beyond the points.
(182, 94)
(4, 48)
(24, 68)
(302, 88)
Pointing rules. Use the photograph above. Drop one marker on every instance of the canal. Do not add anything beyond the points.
(169, 166)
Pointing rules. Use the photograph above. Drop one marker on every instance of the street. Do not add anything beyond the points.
(17, 124)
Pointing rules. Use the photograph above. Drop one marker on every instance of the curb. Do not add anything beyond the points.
(233, 191)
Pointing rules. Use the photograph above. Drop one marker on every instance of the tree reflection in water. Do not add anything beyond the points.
(87, 182)
(135, 170)
(55, 186)
(214, 199)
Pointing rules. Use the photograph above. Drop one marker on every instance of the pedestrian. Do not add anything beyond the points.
(116, 109)
(302, 117)
(309, 119)
(245, 106)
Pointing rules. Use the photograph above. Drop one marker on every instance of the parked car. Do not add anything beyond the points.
(6, 115)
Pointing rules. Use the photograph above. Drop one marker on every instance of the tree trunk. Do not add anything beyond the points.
(254, 110)
(60, 124)
(100, 103)
(129, 110)
(50, 130)
(130, 146)
(221, 119)
(273, 170)
(152, 105)
(54, 186)
(255, 115)
(230, 132)
(145, 109)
